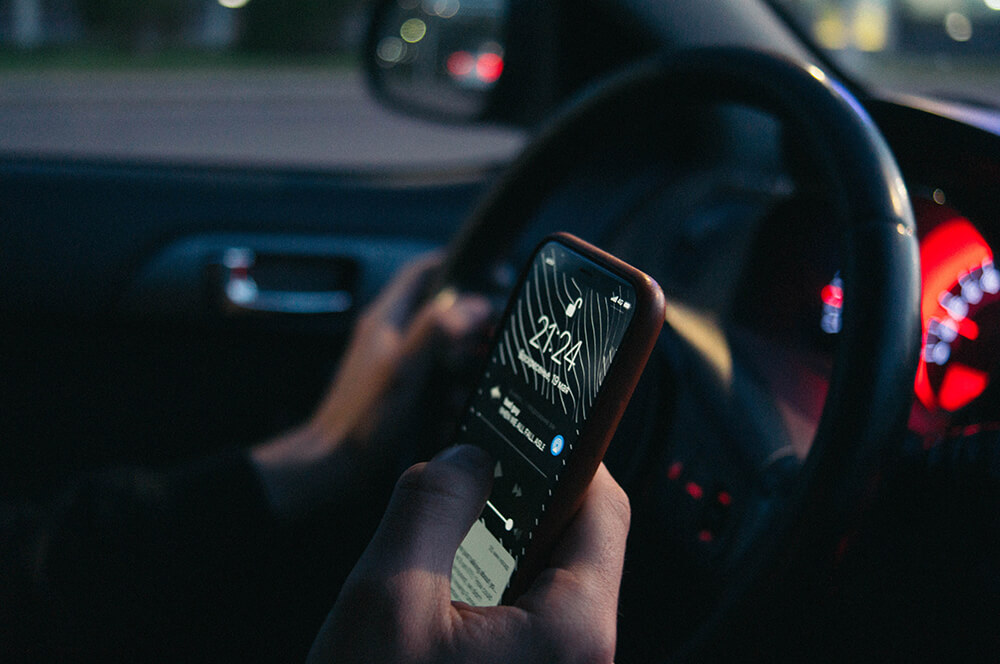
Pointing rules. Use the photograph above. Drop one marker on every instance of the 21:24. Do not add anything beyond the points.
(543, 341)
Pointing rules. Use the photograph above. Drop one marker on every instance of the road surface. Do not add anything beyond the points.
(298, 118)
(307, 118)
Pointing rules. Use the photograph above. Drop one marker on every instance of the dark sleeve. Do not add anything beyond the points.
(128, 560)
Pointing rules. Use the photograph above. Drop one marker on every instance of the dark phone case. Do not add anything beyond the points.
(614, 395)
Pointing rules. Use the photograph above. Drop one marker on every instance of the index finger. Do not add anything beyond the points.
(585, 568)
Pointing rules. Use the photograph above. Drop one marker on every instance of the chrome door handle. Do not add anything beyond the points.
(242, 294)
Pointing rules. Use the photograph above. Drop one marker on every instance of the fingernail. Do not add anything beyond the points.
(445, 298)
(472, 457)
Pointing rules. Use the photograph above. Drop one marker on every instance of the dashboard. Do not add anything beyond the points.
(727, 209)
(739, 233)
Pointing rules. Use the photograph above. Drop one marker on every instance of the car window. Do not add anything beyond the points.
(232, 82)
(943, 48)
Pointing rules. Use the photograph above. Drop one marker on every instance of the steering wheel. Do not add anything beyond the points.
(787, 504)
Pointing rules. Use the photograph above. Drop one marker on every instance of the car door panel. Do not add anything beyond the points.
(119, 343)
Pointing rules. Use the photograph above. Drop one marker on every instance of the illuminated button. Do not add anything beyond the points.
(955, 306)
(990, 281)
(694, 490)
(971, 292)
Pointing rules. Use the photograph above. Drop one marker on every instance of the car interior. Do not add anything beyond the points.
(811, 453)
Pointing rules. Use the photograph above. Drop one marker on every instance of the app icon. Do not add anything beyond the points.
(557, 445)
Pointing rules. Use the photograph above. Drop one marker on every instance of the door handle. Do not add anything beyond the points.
(242, 292)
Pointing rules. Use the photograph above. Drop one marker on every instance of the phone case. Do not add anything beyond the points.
(612, 398)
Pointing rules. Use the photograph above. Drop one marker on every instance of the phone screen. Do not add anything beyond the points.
(551, 355)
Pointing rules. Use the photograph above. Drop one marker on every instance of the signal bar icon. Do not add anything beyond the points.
(621, 302)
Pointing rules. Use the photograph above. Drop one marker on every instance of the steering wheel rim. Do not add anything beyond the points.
(871, 384)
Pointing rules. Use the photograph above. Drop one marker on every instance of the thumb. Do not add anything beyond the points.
(432, 508)
(393, 603)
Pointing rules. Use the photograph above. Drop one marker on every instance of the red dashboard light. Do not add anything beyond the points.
(961, 385)
(956, 273)
(922, 387)
(968, 329)
(833, 295)
(950, 250)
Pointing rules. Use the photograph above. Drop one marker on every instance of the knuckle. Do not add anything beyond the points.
(577, 641)
(618, 503)
(430, 481)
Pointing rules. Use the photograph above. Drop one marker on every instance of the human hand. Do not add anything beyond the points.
(396, 605)
(380, 389)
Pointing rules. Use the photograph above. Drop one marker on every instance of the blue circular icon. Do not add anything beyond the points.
(557, 445)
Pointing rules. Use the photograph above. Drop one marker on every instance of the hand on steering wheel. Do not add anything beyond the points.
(389, 397)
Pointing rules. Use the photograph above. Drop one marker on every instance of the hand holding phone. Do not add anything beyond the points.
(567, 355)
(394, 607)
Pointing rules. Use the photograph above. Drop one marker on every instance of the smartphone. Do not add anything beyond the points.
(565, 359)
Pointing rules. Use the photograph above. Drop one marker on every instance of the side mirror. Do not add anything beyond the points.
(442, 58)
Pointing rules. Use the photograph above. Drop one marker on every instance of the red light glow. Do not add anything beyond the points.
(460, 64)
(833, 296)
(922, 386)
(489, 66)
(949, 250)
(694, 490)
(961, 385)
(968, 329)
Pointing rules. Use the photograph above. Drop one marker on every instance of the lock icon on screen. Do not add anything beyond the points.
(573, 306)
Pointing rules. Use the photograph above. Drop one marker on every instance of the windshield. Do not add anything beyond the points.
(948, 49)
